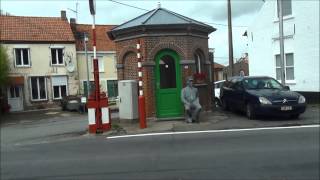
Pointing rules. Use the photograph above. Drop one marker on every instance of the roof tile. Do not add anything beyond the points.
(35, 29)
(104, 43)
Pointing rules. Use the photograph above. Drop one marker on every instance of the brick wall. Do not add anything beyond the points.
(185, 46)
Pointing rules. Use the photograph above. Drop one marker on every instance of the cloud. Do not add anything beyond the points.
(217, 11)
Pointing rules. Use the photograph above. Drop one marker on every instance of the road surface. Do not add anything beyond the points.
(289, 153)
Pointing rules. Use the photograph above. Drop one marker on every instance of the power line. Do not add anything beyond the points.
(129, 5)
(222, 24)
(218, 24)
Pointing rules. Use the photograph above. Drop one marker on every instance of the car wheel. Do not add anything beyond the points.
(250, 112)
(224, 104)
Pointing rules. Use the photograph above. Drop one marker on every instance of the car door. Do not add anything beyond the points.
(230, 96)
(238, 95)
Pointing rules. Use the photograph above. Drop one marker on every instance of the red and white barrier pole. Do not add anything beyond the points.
(141, 101)
(98, 111)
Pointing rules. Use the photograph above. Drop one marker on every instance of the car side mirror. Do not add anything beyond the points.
(286, 88)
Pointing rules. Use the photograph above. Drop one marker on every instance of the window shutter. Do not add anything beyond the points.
(29, 56)
(14, 57)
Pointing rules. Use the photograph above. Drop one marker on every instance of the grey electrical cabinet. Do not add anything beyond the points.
(128, 99)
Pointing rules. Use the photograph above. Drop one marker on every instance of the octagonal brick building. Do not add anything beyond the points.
(173, 47)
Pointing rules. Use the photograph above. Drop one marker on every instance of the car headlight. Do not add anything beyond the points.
(302, 99)
(264, 100)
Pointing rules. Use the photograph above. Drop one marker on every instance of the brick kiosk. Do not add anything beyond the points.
(172, 48)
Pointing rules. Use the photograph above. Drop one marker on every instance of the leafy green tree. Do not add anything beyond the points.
(4, 66)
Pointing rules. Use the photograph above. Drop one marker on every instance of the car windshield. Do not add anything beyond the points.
(261, 83)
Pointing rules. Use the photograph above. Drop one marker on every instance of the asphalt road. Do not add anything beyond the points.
(264, 154)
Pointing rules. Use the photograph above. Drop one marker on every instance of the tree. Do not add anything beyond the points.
(4, 66)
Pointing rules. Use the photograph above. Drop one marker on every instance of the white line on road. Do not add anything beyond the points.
(213, 131)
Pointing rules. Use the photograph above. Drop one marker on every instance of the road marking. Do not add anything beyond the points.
(213, 131)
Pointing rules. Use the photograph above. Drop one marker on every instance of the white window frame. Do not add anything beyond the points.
(57, 57)
(60, 97)
(21, 54)
(38, 85)
(62, 84)
(100, 64)
(285, 68)
(285, 17)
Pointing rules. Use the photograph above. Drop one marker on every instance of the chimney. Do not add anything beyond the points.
(64, 15)
(72, 21)
(73, 25)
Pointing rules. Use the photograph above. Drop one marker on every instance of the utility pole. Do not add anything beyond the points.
(85, 40)
(231, 73)
(283, 81)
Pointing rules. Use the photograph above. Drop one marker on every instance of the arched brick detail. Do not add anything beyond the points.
(161, 46)
(200, 48)
(124, 52)
(130, 62)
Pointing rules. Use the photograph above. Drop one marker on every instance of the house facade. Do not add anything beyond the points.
(42, 60)
(240, 67)
(301, 45)
(106, 55)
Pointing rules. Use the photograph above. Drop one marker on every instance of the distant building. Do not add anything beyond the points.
(240, 67)
(301, 45)
(42, 58)
(106, 55)
(218, 71)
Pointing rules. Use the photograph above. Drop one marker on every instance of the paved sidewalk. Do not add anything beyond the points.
(215, 120)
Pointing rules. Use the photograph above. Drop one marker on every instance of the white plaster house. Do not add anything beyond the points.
(106, 54)
(301, 45)
(42, 59)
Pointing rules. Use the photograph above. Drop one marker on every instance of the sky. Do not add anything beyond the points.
(211, 12)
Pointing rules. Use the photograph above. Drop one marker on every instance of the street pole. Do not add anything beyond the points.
(230, 39)
(141, 100)
(86, 53)
(281, 41)
(98, 111)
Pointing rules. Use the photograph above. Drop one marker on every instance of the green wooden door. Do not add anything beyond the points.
(168, 84)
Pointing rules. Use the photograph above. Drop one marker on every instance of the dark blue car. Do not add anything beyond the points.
(261, 96)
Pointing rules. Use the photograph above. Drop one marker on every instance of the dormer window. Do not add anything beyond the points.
(22, 57)
(57, 56)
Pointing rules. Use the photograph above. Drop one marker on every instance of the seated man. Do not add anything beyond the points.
(190, 99)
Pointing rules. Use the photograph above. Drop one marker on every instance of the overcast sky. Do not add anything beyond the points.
(212, 12)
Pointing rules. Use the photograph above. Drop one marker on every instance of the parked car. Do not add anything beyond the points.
(261, 96)
(217, 86)
(72, 103)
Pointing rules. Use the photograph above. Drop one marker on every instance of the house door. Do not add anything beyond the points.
(15, 99)
(168, 84)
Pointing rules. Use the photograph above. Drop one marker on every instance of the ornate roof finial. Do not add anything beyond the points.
(159, 5)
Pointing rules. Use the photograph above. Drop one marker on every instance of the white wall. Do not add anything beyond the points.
(40, 56)
(302, 27)
(109, 73)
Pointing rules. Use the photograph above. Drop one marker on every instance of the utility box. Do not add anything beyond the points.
(128, 99)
